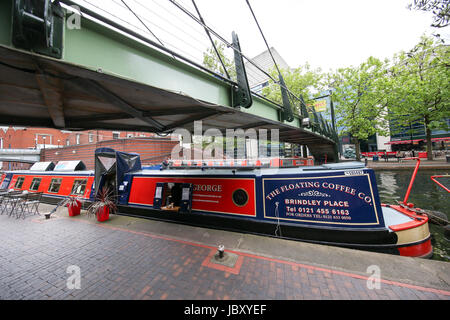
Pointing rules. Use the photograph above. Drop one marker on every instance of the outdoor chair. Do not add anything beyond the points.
(400, 155)
(17, 204)
(2, 192)
(6, 200)
(29, 205)
(14, 198)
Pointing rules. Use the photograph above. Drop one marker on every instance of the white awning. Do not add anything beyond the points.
(42, 166)
(69, 166)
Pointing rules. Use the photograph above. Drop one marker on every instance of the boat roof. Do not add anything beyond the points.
(258, 171)
(54, 173)
(211, 171)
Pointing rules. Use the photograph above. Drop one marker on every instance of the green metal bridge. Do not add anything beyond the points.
(105, 75)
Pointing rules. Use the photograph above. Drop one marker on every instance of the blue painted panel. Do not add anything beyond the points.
(335, 199)
(6, 181)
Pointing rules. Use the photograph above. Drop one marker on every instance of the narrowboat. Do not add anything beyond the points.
(332, 204)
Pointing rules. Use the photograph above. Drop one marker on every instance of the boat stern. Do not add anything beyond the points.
(411, 229)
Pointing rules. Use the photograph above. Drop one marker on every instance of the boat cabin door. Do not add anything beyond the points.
(111, 167)
(173, 196)
(106, 175)
(186, 197)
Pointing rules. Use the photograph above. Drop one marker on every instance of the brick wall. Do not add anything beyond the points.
(151, 150)
(30, 138)
(66, 142)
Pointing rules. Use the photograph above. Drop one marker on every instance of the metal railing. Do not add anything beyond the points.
(187, 37)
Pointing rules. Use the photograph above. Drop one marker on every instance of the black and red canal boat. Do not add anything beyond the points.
(334, 204)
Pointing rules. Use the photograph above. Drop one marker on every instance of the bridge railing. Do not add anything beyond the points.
(241, 163)
(178, 29)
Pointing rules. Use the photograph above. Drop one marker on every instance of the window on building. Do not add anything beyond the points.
(35, 184)
(77, 139)
(116, 135)
(78, 187)
(91, 137)
(55, 184)
(67, 142)
(19, 182)
(130, 135)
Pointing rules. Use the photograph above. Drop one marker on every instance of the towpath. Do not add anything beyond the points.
(393, 164)
(131, 258)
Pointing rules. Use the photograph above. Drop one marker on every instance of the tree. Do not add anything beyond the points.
(420, 77)
(212, 61)
(360, 100)
(302, 81)
(439, 8)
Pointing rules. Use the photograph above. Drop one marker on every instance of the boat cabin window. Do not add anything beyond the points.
(79, 186)
(55, 184)
(35, 184)
(240, 197)
(19, 182)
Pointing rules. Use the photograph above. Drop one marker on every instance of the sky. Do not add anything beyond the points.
(327, 34)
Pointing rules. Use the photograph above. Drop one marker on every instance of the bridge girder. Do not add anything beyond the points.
(109, 80)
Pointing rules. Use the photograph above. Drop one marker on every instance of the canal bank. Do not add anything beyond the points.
(393, 179)
(438, 164)
(147, 259)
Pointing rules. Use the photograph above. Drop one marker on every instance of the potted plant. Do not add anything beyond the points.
(103, 205)
(73, 204)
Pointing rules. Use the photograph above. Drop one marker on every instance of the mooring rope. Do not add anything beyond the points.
(278, 228)
(428, 213)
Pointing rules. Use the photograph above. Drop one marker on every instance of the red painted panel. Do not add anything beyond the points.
(418, 220)
(418, 250)
(210, 194)
(64, 190)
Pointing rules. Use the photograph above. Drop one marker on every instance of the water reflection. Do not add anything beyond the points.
(425, 194)
(389, 186)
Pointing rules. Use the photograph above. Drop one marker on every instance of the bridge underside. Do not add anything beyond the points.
(45, 92)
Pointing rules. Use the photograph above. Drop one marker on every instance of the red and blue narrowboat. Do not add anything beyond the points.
(333, 204)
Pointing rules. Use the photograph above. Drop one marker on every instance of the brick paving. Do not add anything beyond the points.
(117, 263)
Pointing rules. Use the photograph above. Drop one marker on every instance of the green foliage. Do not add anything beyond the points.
(420, 77)
(302, 81)
(105, 198)
(439, 8)
(360, 98)
(212, 61)
(421, 81)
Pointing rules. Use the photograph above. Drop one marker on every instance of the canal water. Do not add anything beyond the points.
(425, 194)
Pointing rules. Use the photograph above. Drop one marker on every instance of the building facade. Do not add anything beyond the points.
(56, 145)
(257, 79)
(413, 137)
(153, 150)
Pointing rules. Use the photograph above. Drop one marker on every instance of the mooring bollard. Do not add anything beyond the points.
(220, 251)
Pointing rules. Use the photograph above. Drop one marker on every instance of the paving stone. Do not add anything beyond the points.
(121, 264)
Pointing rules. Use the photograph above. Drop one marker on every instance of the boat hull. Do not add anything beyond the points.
(325, 206)
(374, 240)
